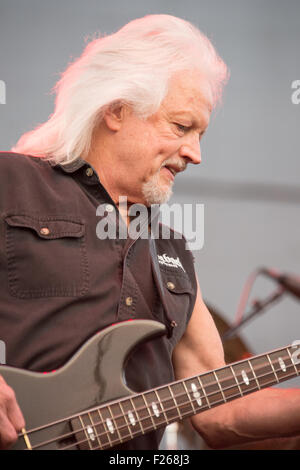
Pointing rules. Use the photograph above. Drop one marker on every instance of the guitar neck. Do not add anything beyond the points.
(119, 421)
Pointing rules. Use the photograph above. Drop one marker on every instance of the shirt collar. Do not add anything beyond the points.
(72, 166)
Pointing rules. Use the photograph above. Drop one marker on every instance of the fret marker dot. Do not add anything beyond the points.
(131, 418)
(196, 394)
(155, 409)
(110, 426)
(282, 364)
(91, 433)
(245, 377)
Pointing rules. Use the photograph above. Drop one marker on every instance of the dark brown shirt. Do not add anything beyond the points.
(60, 283)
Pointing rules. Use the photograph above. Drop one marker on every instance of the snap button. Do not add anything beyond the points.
(109, 208)
(89, 171)
(129, 301)
(45, 231)
(170, 285)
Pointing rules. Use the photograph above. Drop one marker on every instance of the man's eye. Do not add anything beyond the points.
(181, 127)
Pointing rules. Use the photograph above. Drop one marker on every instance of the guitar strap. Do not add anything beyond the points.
(156, 271)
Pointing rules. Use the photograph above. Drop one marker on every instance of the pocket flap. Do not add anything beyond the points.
(177, 284)
(48, 227)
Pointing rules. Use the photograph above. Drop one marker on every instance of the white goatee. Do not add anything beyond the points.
(156, 192)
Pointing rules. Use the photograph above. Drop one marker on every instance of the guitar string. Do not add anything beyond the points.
(266, 364)
(132, 397)
(137, 410)
(124, 438)
(110, 443)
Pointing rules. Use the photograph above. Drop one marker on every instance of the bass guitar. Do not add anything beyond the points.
(86, 404)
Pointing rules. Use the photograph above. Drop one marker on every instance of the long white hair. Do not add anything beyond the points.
(132, 66)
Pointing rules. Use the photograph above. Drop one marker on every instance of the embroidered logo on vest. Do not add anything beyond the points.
(169, 261)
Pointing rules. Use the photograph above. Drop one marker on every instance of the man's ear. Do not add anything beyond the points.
(114, 116)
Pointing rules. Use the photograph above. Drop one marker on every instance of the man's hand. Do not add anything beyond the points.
(11, 418)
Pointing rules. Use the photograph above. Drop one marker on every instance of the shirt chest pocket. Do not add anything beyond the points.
(46, 256)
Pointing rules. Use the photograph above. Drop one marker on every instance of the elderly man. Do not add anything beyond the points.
(130, 114)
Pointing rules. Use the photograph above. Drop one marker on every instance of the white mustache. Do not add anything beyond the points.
(178, 164)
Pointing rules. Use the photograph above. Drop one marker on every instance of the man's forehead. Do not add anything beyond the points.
(189, 91)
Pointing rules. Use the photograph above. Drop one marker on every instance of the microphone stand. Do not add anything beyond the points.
(258, 307)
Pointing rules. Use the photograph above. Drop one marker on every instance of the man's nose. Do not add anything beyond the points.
(191, 151)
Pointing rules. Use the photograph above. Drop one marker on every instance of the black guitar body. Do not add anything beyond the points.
(94, 375)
